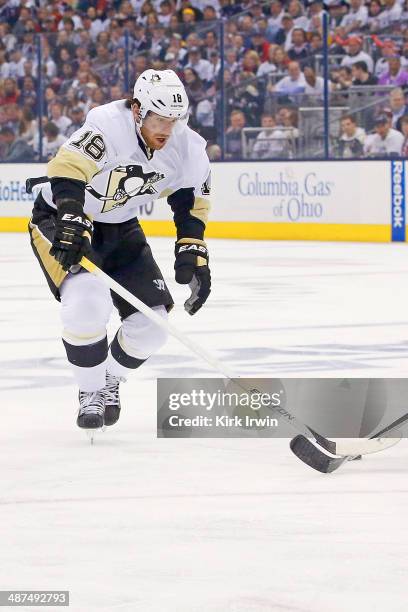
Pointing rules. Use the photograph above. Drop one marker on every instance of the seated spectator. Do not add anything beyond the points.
(248, 98)
(12, 116)
(276, 14)
(337, 11)
(387, 49)
(316, 14)
(315, 44)
(28, 126)
(356, 18)
(58, 118)
(8, 40)
(233, 139)
(392, 12)
(116, 93)
(231, 61)
(51, 142)
(351, 141)
(295, 9)
(377, 20)
(271, 141)
(342, 79)
(215, 62)
(103, 62)
(158, 42)
(77, 117)
(229, 8)
(299, 49)
(214, 152)
(69, 15)
(269, 66)
(28, 97)
(284, 34)
(210, 44)
(13, 148)
(94, 24)
(201, 66)
(188, 21)
(356, 54)
(205, 118)
(259, 44)
(386, 142)
(287, 118)
(165, 13)
(294, 83)
(314, 85)
(4, 65)
(395, 75)
(251, 62)
(404, 129)
(398, 107)
(361, 76)
(10, 93)
(238, 44)
(193, 85)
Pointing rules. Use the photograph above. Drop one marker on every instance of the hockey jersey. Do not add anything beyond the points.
(120, 173)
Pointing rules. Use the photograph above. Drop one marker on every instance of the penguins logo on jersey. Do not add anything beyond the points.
(126, 182)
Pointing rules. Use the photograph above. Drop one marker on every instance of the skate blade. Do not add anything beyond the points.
(92, 434)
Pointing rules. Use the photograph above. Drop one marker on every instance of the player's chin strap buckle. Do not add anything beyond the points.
(32, 182)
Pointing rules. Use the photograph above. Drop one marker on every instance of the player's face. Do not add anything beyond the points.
(157, 130)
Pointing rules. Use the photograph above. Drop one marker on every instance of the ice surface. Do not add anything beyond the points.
(136, 523)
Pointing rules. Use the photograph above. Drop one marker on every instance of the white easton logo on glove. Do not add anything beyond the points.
(76, 219)
(193, 247)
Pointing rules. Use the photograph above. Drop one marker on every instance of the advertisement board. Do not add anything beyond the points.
(356, 200)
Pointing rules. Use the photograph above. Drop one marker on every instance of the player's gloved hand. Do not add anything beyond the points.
(191, 268)
(73, 234)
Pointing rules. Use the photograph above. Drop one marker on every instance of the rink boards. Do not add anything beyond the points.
(336, 200)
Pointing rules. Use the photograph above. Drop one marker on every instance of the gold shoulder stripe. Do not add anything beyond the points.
(70, 164)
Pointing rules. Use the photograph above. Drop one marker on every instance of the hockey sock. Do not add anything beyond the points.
(120, 363)
(88, 363)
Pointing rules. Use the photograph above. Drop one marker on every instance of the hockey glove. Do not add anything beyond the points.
(73, 234)
(191, 268)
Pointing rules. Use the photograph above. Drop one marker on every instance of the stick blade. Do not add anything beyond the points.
(314, 457)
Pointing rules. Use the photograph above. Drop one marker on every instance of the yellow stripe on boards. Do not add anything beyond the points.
(14, 224)
(246, 230)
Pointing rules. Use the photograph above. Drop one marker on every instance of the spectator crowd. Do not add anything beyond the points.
(263, 100)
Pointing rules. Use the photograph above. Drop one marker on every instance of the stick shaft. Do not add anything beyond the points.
(153, 316)
(391, 426)
(193, 346)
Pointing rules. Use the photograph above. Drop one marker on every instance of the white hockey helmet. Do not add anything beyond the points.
(161, 92)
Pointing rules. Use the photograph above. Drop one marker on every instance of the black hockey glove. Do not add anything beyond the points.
(73, 234)
(191, 267)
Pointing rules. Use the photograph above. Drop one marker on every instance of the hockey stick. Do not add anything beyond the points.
(194, 347)
(310, 454)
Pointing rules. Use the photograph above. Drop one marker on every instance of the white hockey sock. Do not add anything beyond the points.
(135, 341)
(90, 379)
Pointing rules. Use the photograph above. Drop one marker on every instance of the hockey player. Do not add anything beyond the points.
(127, 153)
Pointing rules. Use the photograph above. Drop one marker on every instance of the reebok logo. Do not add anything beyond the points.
(398, 201)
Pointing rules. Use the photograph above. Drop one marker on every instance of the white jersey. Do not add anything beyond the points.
(121, 173)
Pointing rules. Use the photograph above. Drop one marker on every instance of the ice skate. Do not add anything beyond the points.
(112, 399)
(91, 410)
